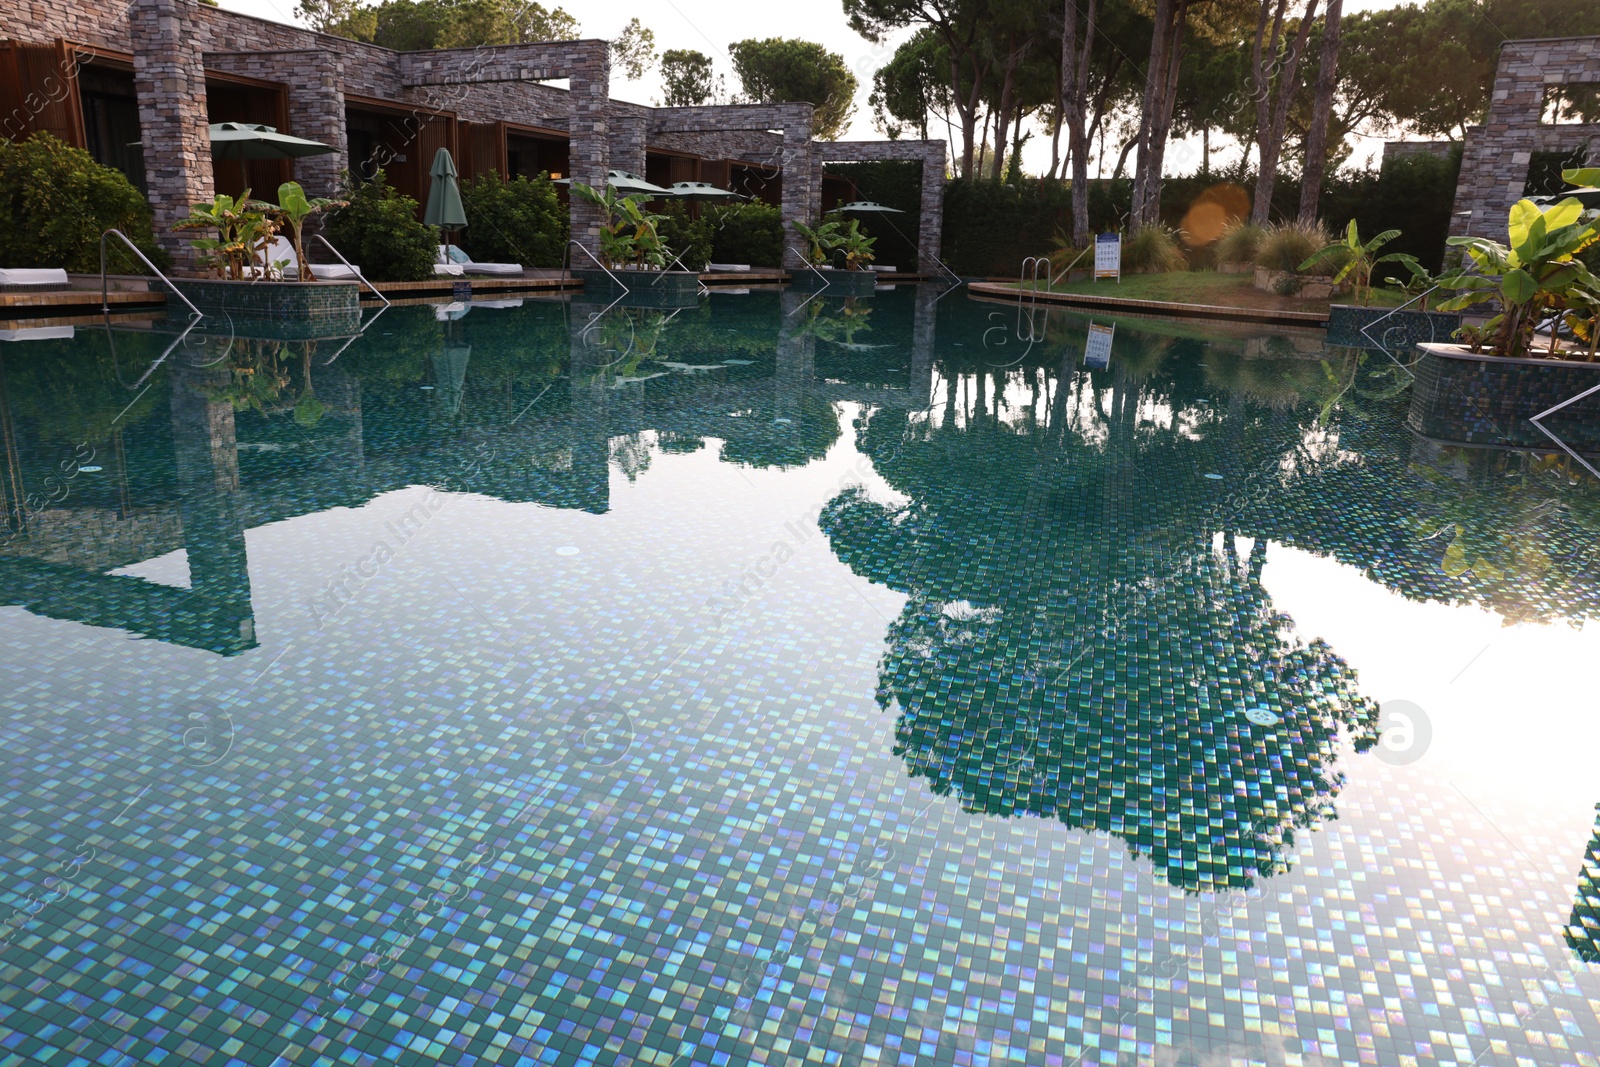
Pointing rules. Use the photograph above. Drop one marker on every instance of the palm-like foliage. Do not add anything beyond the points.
(1361, 261)
(295, 208)
(1536, 274)
(243, 230)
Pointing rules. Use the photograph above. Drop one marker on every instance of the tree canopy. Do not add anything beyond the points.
(778, 69)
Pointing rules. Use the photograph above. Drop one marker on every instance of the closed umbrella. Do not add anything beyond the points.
(444, 208)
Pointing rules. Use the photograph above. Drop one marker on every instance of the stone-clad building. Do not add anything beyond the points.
(137, 82)
(1541, 113)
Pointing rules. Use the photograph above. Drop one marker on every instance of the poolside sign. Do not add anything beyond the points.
(1108, 256)
(1097, 349)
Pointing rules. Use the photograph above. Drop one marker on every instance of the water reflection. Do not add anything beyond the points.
(1085, 636)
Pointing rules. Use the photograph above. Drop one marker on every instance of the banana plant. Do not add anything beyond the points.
(1537, 274)
(857, 246)
(1361, 262)
(1420, 284)
(243, 230)
(824, 238)
(295, 208)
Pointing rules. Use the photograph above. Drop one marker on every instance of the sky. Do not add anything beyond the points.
(710, 26)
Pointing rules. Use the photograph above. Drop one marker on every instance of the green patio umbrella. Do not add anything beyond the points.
(444, 208)
(627, 184)
(867, 207)
(251, 140)
(699, 191)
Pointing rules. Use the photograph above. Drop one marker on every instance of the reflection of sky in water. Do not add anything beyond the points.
(617, 648)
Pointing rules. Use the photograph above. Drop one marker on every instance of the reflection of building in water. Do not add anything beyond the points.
(62, 541)
(256, 431)
(1583, 928)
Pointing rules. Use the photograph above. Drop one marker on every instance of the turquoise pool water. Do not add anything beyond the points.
(784, 681)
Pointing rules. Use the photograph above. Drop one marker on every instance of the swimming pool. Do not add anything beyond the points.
(784, 680)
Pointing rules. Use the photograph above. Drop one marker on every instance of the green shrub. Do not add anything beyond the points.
(1239, 243)
(380, 233)
(1153, 250)
(516, 221)
(1286, 245)
(689, 239)
(751, 233)
(59, 201)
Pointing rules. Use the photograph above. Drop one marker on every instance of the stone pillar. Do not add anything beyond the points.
(316, 112)
(800, 193)
(931, 233)
(588, 136)
(169, 77)
(627, 143)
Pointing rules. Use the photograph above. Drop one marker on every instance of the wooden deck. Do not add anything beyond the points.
(128, 293)
(1010, 293)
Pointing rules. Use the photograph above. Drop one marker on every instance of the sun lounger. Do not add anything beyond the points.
(32, 280)
(281, 254)
(457, 257)
(38, 333)
(728, 268)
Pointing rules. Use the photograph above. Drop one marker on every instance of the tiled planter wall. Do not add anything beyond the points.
(1484, 400)
(283, 310)
(1398, 330)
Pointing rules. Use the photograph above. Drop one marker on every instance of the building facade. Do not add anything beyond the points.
(138, 83)
(1542, 115)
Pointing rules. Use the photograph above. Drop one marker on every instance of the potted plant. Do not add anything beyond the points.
(832, 236)
(1353, 325)
(630, 241)
(1489, 388)
(244, 231)
(295, 208)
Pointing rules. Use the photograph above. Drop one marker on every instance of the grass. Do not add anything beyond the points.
(1217, 290)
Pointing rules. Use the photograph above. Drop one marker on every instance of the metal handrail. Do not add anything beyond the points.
(353, 269)
(353, 337)
(700, 286)
(1033, 263)
(116, 368)
(1384, 348)
(1537, 421)
(105, 299)
(571, 244)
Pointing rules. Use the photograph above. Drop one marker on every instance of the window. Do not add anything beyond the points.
(1570, 105)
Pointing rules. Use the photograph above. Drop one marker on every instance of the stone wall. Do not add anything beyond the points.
(169, 76)
(316, 105)
(931, 154)
(1494, 162)
(801, 199)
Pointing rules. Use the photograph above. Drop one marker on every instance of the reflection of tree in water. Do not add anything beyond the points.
(1583, 928)
(1082, 640)
(756, 437)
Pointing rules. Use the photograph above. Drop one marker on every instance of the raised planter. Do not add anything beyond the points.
(836, 282)
(1351, 326)
(1467, 399)
(283, 310)
(643, 288)
(1312, 286)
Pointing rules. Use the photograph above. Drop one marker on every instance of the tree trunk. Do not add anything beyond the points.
(1321, 112)
(1162, 128)
(1074, 93)
(1273, 105)
(1154, 83)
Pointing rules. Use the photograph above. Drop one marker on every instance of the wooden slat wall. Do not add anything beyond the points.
(39, 92)
(483, 149)
(229, 102)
